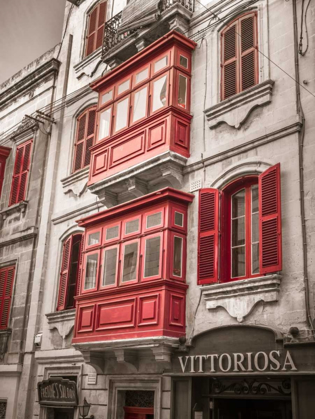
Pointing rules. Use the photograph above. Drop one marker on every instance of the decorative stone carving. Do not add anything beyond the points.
(163, 353)
(240, 297)
(235, 110)
(76, 182)
(63, 321)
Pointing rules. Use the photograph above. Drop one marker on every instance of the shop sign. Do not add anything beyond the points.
(238, 362)
(57, 392)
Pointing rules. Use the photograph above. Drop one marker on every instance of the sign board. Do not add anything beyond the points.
(57, 392)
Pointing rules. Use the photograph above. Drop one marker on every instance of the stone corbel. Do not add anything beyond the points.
(77, 188)
(179, 24)
(136, 187)
(127, 357)
(141, 44)
(172, 175)
(163, 354)
(109, 199)
(114, 62)
(95, 359)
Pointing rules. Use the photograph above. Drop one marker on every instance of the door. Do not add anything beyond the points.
(139, 413)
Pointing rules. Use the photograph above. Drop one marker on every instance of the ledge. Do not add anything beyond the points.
(18, 208)
(76, 182)
(235, 110)
(81, 65)
(63, 321)
(238, 298)
(10, 370)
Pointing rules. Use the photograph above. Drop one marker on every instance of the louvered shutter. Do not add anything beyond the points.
(101, 23)
(85, 139)
(229, 62)
(20, 172)
(90, 137)
(6, 287)
(90, 40)
(79, 146)
(270, 257)
(248, 52)
(208, 239)
(96, 24)
(80, 268)
(64, 274)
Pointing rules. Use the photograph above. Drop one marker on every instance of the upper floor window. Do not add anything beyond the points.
(84, 139)
(239, 55)
(70, 272)
(20, 172)
(6, 289)
(95, 28)
(243, 227)
(4, 152)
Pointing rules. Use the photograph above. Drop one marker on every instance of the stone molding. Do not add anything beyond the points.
(59, 356)
(85, 62)
(239, 298)
(11, 370)
(63, 321)
(20, 207)
(69, 215)
(76, 182)
(235, 110)
(28, 234)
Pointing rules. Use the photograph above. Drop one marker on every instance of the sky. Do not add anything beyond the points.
(28, 28)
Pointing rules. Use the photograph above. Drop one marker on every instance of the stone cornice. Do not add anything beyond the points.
(50, 67)
(30, 233)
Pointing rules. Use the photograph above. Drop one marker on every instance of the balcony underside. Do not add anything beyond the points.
(156, 173)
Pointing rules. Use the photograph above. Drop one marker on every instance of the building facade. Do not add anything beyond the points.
(157, 210)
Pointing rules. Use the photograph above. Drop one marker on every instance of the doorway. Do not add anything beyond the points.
(138, 413)
(63, 414)
(252, 409)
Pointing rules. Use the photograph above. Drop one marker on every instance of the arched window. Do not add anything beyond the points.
(84, 138)
(95, 28)
(70, 271)
(240, 229)
(239, 55)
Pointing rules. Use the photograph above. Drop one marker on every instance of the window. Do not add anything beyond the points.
(70, 272)
(84, 139)
(20, 172)
(4, 152)
(245, 229)
(95, 31)
(3, 409)
(239, 55)
(6, 288)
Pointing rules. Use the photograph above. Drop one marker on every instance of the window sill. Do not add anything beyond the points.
(235, 110)
(76, 182)
(16, 208)
(238, 298)
(63, 321)
(83, 64)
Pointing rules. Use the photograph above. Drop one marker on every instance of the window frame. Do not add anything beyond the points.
(26, 171)
(151, 90)
(144, 278)
(174, 234)
(100, 111)
(152, 212)
(5, 296)
(101, 286)
(132, 102)
(98, 269)
(92, 231)
(110, 225)
(114, 119)
(121, 258)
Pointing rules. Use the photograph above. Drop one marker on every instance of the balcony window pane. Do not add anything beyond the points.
(94, 238)
(161, 64)
(182, 91)
(132, 226)
(112, 233)
(110, 267)
(179, 219)
(130, 262)
(140, 104)
(177, 257)
(122, 112)
(159, 93)
(106, 97)
(142, 75)
(90, 271)
(183, 61)
(123, 86)
(154, 220)
(238, 261)
(105, 118)
(152, 257)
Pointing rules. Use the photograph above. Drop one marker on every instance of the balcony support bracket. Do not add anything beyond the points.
(163, 354)
(127, 357)
(95, 359)
(107, 198)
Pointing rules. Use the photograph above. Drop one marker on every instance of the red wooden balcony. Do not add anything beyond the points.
(133, 282)
(143, 116)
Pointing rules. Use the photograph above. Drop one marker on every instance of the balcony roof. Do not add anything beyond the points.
(143, 201)
(170, 38)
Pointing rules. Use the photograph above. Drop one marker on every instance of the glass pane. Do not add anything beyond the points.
(154, 220)
(255, 228)
(238, 204)
(122, 114)
(107, 96)
(255, 258)
(132, 226)
(123, 86)
(238, 231)
(179, 219)
(105, 118)
(112, 233)
(110, 265)
(130, 262)
(182, 91)
(159, 93)
(183, 61)
(94, 238)
(140, 104)
(90, 271)
(161, 64)
(255, 203)
(144, 74)
(177, 257)
(238, 262)
(152, 257)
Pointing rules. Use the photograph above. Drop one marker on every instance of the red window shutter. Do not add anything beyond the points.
(229, 62)
(79, 147)
(80, 269)
(85, 139)
(20, 172)
(208, 240)
(64, 274)
(101, 23)
(95, 33)
(248, 52)
(90, 41)
(270, 256)
(6, 287)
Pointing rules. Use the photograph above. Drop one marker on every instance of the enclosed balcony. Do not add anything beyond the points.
(143, 122)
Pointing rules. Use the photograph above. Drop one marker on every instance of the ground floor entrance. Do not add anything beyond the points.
(139, 413)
